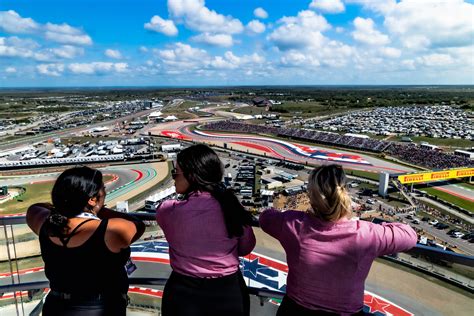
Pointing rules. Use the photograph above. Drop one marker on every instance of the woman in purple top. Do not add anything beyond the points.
(328, 254)
(207, 231)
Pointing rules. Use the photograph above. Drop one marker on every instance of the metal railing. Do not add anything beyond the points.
(408, 259)
(419, 250)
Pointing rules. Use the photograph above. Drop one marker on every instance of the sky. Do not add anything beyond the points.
(86, 43)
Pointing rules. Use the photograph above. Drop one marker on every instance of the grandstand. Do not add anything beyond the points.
(152, 202)
(409, 153)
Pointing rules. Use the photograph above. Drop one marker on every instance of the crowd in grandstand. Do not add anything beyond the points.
(425, 157)
(406, 152)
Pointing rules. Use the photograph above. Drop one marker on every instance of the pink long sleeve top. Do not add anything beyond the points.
(328, 262)
(199, 245)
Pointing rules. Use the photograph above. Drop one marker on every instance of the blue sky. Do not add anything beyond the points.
(235, 42)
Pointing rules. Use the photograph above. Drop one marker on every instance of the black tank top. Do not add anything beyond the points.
(88, 269)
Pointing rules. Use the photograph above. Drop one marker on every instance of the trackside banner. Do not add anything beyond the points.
(436, 176)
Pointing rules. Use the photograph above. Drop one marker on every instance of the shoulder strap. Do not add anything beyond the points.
(65, 240)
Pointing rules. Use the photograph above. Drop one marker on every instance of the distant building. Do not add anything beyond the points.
(261, 102)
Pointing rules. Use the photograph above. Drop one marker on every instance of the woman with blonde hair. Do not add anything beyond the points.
(328, 254)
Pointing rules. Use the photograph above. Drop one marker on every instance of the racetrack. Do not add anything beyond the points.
(293, 151)
(127, 180)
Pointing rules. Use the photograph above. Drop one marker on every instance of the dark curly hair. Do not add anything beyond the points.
(71, 192)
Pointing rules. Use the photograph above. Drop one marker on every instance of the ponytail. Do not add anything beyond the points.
(203, 170)
(327, 193)
(235, 215)
(56, 224)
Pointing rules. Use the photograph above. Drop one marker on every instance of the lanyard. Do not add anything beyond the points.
(87, 215)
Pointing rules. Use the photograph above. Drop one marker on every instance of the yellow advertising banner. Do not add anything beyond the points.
(436, 176)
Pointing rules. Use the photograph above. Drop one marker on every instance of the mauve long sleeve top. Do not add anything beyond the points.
(328, 262)
(199, 245)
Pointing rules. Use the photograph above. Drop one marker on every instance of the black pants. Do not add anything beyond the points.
(114, 306)
(188, 296)
(288, 307)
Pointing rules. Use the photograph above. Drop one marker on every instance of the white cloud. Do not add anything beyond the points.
(143, 49)
(68, 51)
(157, 24)
(196, 16)
(296, 59)
(299, 31)
(12, 22)
(113, 53)
(64, 38)
(16, 47)
(422, 24)
(182, 57)
(97, 68)
(230, 61)
(255, 27)
(339, 29)
(27, 48)
(329, 6)
(54, 70)
(10, 70)
(366, 33)
(66, 34)
(433, 60)
(260, 13)
(390, 52)
(15, 41)
(220, 62)
(378, 6)
(408, 64)
(223, 40)
(62, 28)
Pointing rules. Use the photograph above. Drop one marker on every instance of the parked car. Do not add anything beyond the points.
(415, 221)
(441, 226)
(425, 219)
(371, 201)
(433, 222)
(457, 234)
(452, 231)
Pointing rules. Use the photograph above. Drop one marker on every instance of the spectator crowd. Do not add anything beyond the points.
(406, 152)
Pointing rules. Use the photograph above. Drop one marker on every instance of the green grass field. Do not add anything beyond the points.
(467, 205)
(363, 174)
(466, 185)
(26, 263)
(35, 193)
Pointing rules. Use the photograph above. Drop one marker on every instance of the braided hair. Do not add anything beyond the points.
(203, 169)
(70, 195)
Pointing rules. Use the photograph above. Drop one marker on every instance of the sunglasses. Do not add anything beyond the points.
(174, 171)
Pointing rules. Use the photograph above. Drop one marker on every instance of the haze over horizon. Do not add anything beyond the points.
(185, 43)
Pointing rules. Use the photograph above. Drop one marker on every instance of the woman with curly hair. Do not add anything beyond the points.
(84, 246)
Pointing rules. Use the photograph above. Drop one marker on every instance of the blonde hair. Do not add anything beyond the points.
(327, 193)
